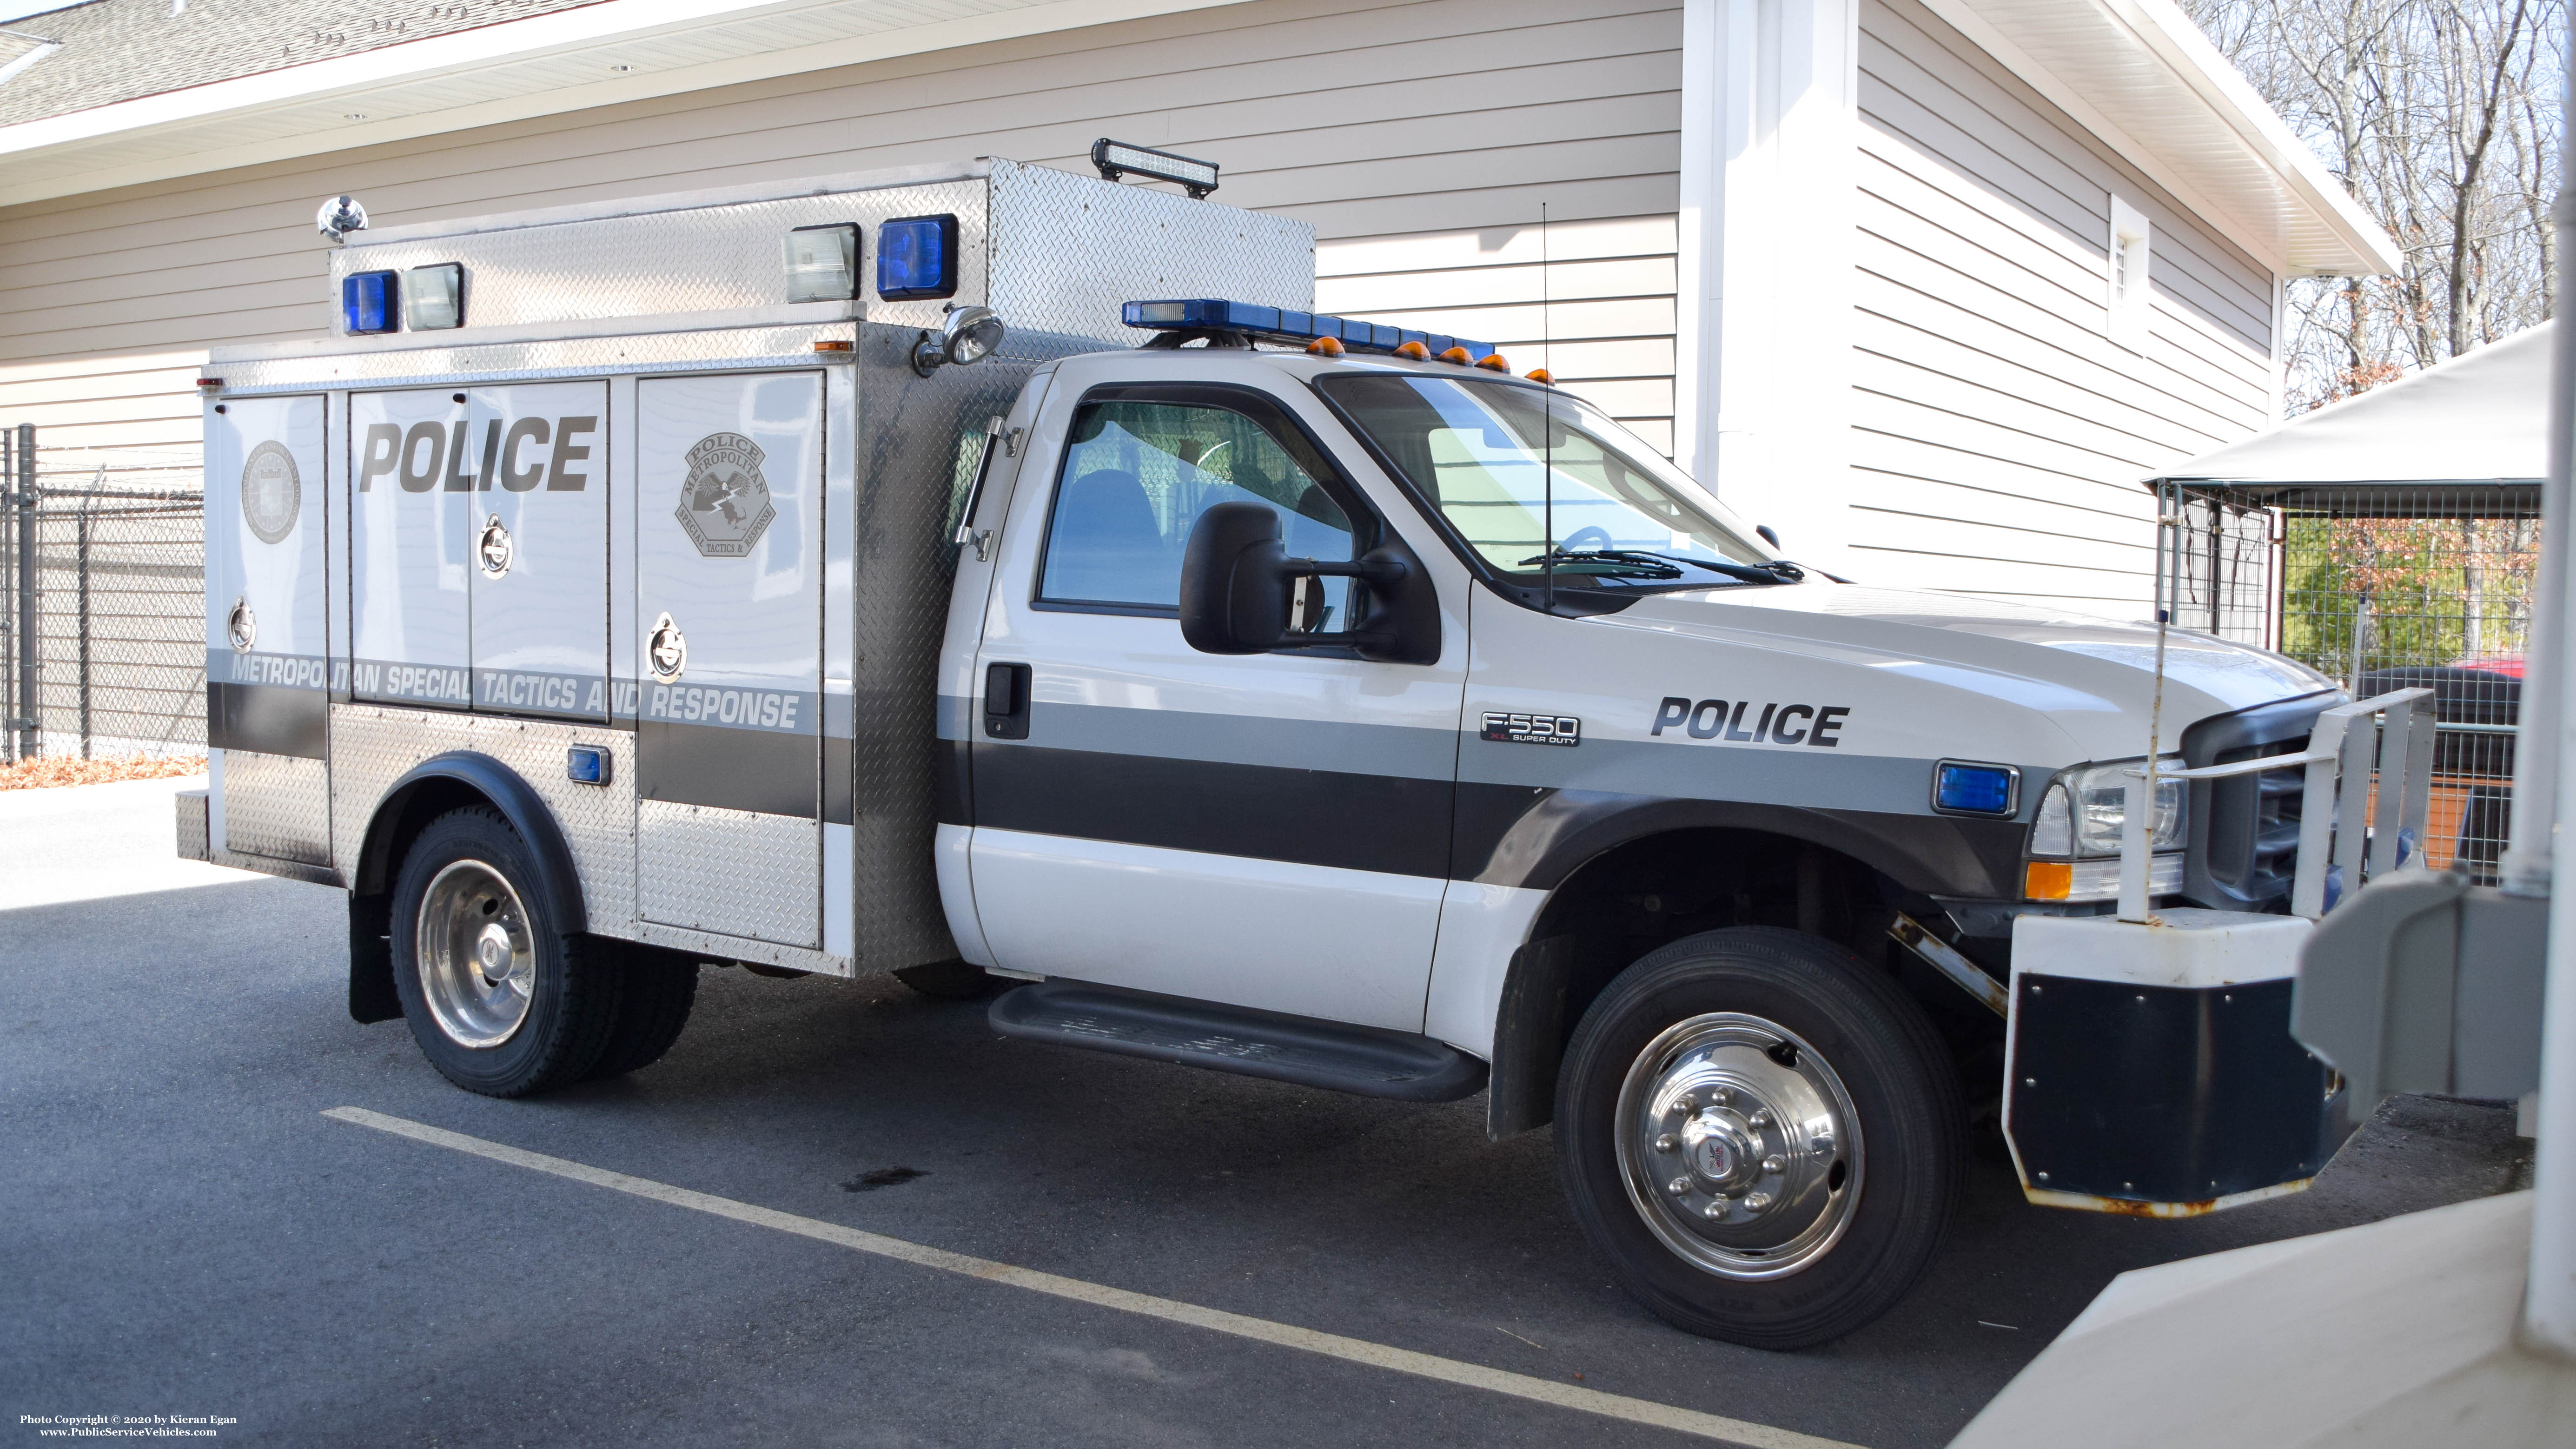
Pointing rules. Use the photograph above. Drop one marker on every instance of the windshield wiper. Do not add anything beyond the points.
(1662, 565)
(1606, 563)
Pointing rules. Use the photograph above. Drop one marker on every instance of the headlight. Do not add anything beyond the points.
(2084, 810)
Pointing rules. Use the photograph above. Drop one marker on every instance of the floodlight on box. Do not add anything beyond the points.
(1181, 318)
(434, 297)
(823, 263)
(1117, 159)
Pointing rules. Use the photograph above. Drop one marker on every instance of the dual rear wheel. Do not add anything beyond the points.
(502, 999)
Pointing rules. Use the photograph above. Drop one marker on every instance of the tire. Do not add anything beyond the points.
(653, 1002)
(951, 981)
(1712, 1215)
(545, 1019)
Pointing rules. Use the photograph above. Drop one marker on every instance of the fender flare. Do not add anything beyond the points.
(1555, 838)
(558, 884)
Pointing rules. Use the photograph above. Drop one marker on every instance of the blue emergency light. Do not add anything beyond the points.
(370, 302)
(917, 258)
(1275, 324)
(1974, 789)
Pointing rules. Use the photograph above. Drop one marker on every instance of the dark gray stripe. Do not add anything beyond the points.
(1401, 751)
(731, 769)
(267, 719)
(1816, 779)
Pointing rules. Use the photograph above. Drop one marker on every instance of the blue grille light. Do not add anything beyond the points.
(1274, 324)
(917, 258)
(1974, 789)
(370, 302)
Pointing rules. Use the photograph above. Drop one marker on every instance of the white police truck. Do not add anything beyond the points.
(819, 577)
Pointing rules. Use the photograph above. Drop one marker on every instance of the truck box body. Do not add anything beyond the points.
(464, 540)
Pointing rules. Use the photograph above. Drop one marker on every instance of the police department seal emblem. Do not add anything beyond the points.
(272, 493)
(724, 502)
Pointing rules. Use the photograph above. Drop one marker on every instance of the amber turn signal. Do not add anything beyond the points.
(1494, 363)
(1414, 351)
(1325, 347)
(2048, 880)
(832, 345)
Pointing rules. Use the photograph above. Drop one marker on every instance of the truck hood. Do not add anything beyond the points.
(2093, 677)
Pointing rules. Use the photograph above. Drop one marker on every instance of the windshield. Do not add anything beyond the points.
(1516, 469)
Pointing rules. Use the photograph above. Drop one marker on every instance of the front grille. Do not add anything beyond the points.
(2245, 829)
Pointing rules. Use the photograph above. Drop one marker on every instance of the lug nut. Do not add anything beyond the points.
(1760, 1118)
(1717, 1209)
(1666, 1143)
(1683, 1103)
(1720, 1097)
(1757, 1201)
(1677, 1186)
(1773, 1164)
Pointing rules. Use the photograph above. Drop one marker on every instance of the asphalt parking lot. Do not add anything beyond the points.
(184, 1232)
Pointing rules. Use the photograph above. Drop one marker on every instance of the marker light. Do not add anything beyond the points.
(1414, 351)
(1494, 363)
(823, 263)
(1540, 374)
(434, 297)
(917, 258)
(1457, 355)
(1325, 347)
(1116, 159)
(1974, 789)
(1289, 328)
(586, 765)
(369, 302)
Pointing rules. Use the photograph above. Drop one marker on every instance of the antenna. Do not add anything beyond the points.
(1547, 421)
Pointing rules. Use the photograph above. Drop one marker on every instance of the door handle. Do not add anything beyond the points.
(1006, 701)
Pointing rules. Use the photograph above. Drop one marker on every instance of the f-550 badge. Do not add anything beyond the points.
(1533, 729)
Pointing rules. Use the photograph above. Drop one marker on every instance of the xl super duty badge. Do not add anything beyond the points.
(1533, 729)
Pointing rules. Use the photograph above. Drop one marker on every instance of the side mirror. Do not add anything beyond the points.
(1242, 594)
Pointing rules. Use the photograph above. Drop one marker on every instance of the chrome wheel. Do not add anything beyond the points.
(1739, 1146)
(478, 962)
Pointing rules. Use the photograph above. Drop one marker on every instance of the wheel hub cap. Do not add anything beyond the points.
(477, 959)
(1738, 1146)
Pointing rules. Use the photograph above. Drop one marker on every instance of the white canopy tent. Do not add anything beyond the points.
(2478, 418)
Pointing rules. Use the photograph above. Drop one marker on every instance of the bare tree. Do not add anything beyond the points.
(2441, 117)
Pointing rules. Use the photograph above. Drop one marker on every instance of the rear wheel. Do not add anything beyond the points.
(501, 999)
(1761, 1134)
(656, 990)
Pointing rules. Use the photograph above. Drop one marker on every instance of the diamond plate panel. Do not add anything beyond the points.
(277, 805)
(731, 872)
(1068, 250)
(687, 258)
(372, 746)
(727, 348)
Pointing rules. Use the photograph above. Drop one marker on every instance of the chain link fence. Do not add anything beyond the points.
(102, 601)
(2383, 587)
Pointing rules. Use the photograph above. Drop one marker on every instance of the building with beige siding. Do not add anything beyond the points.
(1928, 285)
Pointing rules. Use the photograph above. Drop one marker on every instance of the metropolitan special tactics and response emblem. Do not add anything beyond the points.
(724, 504)
(272, 493)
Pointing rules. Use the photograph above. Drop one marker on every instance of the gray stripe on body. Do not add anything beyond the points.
(1228, 739)
(734, 706)
(1799, 775)
(286, 671)
(956, 717)
(528, 691)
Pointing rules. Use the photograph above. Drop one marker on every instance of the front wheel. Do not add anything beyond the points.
(1762, 1134)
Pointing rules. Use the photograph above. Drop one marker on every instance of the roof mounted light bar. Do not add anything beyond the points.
(1274, 324)
(1117, 159)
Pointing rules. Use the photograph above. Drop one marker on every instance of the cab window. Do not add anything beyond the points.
(1137, 474)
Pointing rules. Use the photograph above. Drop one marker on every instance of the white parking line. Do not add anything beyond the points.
(1331, 1345)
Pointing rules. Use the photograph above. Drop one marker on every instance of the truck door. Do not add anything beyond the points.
(729, 626)
(409, 604)
(538, 530)
(265, 651)
(1267, 830)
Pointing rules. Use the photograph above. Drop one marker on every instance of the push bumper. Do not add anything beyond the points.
(2150, 1068)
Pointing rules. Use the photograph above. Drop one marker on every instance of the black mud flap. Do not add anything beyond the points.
(2164, 1101)
(371, 960)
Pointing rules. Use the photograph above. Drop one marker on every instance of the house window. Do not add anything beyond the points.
(2127, 314)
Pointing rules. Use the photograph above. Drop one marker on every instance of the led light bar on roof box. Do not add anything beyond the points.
(1274, 324)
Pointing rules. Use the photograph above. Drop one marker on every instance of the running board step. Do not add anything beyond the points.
(1310, 1053)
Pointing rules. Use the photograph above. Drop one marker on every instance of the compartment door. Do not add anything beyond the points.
(729, 626)
(411, 470)
(539, 528)
(266, 668)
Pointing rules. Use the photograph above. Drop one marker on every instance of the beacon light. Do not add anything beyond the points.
(370, 302)
(917, 258)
